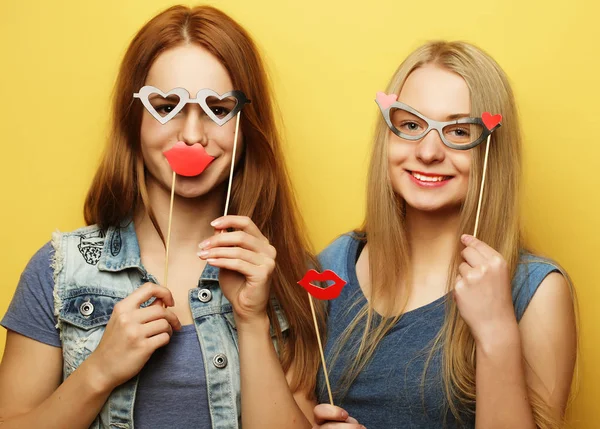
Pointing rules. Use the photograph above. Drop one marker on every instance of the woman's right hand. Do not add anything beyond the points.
(331, 417)
(133, 334)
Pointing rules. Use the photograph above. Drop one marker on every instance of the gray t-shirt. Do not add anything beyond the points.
(172, 386)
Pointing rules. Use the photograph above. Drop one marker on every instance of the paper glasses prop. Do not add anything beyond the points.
(329, 292)
(191, 160)
(460, 134)
(409, 124)
(182, 97)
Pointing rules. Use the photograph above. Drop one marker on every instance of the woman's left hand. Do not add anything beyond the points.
(247, 260)
(483, 290)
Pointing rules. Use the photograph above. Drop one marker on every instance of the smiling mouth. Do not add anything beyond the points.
(329, 292)
(428, 177)
(187, 160)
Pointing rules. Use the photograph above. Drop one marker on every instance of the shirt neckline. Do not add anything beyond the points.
(353, 278)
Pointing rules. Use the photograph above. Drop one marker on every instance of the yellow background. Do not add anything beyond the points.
(327, 59)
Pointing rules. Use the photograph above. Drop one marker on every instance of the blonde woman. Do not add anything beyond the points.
(437, 328)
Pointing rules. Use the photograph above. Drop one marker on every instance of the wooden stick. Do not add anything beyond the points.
(237, 126)
(312, 309)
(169, 230)
(485, 163)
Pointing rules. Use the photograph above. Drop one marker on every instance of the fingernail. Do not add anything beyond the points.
(216, 222)
(204, 244)
(344, 415)
(465, 238)
(203, 254)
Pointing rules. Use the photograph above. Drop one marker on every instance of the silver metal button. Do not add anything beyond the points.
(86, 308)
(204, 295)
(220, 360)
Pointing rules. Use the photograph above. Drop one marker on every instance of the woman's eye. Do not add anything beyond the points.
(461, 132)
(165, 108)
(410, 127)
(220, 111)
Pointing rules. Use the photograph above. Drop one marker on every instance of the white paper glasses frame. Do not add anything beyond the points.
(184, 98)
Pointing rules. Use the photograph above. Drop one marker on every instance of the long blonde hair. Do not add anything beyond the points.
(385, 228)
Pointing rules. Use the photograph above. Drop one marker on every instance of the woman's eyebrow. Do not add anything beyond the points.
(457, 116)
(215, 100)
(171, 97)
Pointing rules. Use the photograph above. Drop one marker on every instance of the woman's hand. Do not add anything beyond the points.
(483, 291)
(331, 417)
(246, 260)
(133, 334)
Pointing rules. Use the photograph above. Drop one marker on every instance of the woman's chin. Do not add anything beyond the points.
(198, 186)
(433, 206)
(192, 190)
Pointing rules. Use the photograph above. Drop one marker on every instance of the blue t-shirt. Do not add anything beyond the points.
(389, 392)
(172, 389)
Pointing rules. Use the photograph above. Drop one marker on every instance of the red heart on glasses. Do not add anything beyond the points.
(385, 100)
(329, 292)
(490, 121)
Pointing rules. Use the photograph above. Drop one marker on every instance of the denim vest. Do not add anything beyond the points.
(93, 270)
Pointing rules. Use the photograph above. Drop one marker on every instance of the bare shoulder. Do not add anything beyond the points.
(552, 311)
(555, 293)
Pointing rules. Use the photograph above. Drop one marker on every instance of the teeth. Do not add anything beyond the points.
(428, 178)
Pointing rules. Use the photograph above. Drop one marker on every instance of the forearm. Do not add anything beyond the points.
(502, 399)
(75, 403)
(266, 398)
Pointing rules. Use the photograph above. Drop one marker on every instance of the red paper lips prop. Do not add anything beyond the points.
(187, 160)
(329, 292)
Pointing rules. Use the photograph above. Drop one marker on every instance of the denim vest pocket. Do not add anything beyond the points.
(84, 316)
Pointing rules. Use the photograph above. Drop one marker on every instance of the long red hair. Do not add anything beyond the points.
(261, 187)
